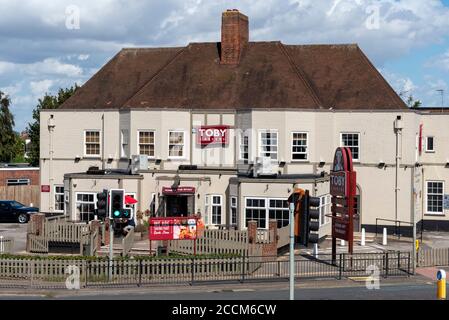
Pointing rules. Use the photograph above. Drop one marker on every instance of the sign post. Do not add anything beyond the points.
(343, 181)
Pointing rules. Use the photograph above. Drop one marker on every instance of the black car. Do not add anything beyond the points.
(13, 211)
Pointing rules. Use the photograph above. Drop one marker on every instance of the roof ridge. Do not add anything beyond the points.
(301, 76)
(182, 49)
(393, 95)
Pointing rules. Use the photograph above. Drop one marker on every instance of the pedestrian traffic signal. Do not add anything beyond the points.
(310, 223)
(102, 204)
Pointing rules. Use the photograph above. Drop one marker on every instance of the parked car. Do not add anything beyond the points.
(13, 211)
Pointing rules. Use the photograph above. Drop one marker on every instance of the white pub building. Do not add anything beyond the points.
(229, 129)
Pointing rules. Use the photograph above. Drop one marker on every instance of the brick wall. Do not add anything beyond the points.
(12, 173)
(234, 36)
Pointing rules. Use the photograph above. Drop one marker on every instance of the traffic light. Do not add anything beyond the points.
(117, 208)
(102, 204)
(310, 223)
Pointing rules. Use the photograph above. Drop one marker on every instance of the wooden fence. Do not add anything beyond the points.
(283, 236)
(6, 245)
(127, 243)
(23, 194)
(214, 242)
(61, 232)
(433, 257)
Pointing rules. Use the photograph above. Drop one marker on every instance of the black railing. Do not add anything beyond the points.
(193, 271)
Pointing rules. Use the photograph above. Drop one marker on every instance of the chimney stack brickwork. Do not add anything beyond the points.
(234, 36)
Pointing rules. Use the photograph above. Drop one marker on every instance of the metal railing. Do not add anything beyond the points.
(397, 226)
(189, 271)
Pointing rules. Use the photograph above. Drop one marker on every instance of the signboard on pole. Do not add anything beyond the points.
(343, 192)
(173, 228)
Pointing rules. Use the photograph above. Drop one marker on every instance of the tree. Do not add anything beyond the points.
(33, 129)
(8, 138)
(412, 103)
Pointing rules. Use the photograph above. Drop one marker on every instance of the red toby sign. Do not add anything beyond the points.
(343, 191)
(207, 135)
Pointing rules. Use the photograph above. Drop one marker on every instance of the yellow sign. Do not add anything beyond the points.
(417, 245)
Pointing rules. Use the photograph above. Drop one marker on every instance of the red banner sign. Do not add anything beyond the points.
(178, 190)
(45, 188)
(173, 228)
(207, 135)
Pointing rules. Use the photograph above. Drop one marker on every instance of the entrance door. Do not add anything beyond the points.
(179, 205)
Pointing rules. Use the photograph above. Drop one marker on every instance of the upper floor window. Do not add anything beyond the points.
(92, 143)
(299, 146)
(176, 141)
(269, 144)
(146, 143)
(244, 146)
(352, 141)
(430, 145)
(124, 136)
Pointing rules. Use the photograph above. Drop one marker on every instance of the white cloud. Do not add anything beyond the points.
(83, 57)
(39, 88)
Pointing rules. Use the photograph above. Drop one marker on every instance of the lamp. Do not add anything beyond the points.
(77, 158)
(321, 164)
(381, 165)
(281, 164)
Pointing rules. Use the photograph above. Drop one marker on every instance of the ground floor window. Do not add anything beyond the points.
(325, 209)
(256, 209)
(435, 194)
(85, 202)
(59, 198)
(278, 209)
(216, 209)
(233, 210)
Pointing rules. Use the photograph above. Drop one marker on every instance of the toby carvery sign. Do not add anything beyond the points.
(210, 135)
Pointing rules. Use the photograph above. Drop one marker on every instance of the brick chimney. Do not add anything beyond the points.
(234, 36)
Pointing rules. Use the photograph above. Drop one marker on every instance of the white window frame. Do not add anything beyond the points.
(306, 146)
(233, 206)
(124, 151)
(183, 144)
(325, 209)
(85, 144)
(265, 208)
(206, 209)
(212, 205)
(273, 208)
(243, 135)
(17, 182)
(58, 193)
(358, 146)
(154, 143)
(433, 144)
(261, 152)
(76, 202)
(434, 213)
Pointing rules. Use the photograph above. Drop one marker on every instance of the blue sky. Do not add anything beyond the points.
(44, 48)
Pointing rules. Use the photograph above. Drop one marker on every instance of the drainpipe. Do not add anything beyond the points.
(51, 126)
(398, 126)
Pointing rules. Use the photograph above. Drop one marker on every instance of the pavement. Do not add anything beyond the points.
(412, 288)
